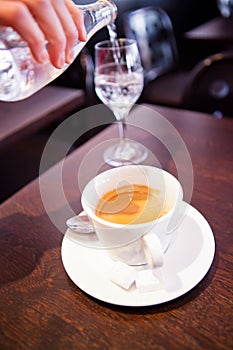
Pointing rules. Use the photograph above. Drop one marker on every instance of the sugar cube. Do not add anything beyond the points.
(123, 275)
(146, 281)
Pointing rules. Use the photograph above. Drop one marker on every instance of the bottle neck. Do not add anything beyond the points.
(98, 14)
(100, 5)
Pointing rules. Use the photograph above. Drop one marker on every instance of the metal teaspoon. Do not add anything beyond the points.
(80, 224)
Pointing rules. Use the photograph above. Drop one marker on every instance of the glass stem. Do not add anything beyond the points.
(122, 133)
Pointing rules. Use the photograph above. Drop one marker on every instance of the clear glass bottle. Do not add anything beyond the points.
(21, 76)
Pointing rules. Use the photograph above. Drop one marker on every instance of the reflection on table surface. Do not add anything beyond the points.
(218, 31)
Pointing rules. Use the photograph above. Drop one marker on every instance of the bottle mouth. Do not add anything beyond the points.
(114, 7)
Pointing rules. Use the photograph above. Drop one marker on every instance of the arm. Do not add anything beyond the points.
(59, 22)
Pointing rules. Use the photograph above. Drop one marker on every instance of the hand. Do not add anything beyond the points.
(59, 22)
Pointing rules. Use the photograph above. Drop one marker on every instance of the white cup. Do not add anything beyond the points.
(135, 244)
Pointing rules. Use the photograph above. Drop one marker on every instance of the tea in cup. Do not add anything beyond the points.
(132, 208)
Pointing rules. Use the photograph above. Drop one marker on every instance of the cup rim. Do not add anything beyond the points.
(127, 42)
(90, 212)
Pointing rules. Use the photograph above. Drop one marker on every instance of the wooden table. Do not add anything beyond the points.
(216, 31)
(41, 308)
(22, 118)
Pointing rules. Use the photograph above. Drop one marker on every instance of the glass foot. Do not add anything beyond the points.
(131, 152)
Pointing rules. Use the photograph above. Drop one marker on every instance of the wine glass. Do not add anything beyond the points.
(119, 82)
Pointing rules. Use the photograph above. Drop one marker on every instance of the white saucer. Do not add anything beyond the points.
(186, 263)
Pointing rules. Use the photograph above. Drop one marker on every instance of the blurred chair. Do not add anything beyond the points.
(225, 7)
(152, 29)
(210, 88)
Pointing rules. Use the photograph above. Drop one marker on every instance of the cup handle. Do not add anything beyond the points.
(153, 250)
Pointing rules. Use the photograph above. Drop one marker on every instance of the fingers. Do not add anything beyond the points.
(50, 24)
(58, 26)
(59, 22)
(25, 26)
(78, 19)
(71, 20)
